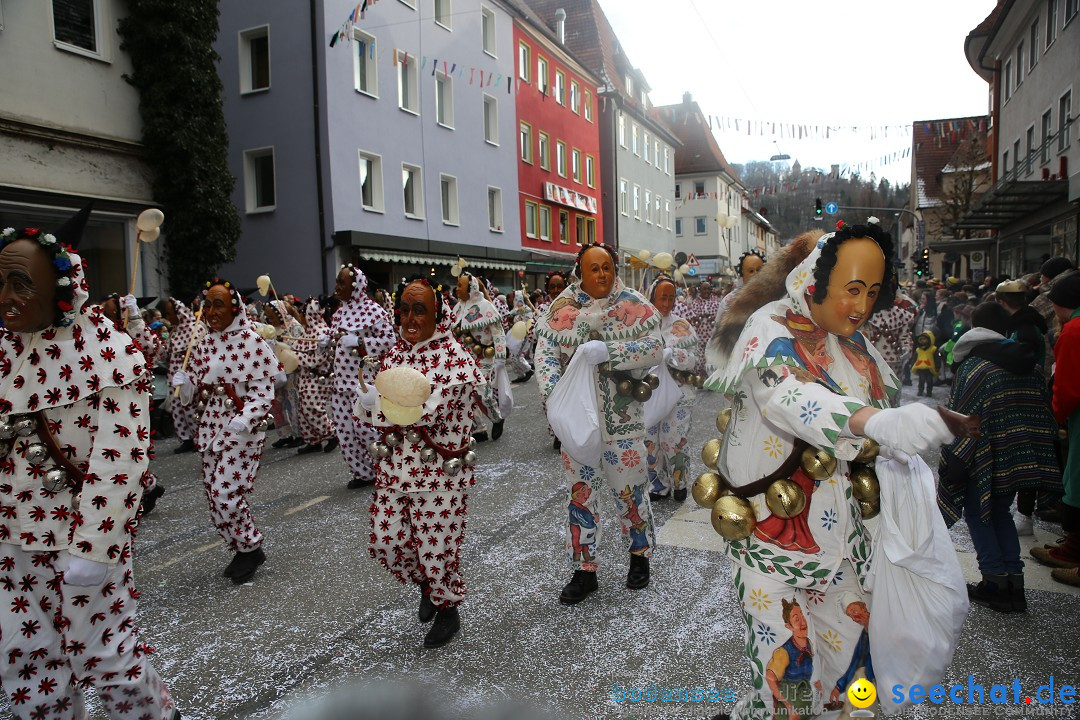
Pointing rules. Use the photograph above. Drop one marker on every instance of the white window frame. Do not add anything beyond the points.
(531, 219)
(489, 39)
(678, 191)
(1020, 63)
(656, 154)
(667, 160)
(560, 87)
(543, 222)
(700, 222)
(524, 60)
(657, 207)
(491, 119)
(543, 74)
(1051, 23)
(1029, 138)
(448, 200)
(525, 142)
(101, 49)
(564, 226)
(443, 13)
(560, 158)
(667, 213)
(1065, 121)
(251, 198)
(636, 204)
(700, 194)
(368, 45)
(444, 100)
(408, 76)
(575, 97)
(634, 146)
(588, 106)
(378, 202)
(417, 191)
(622, 130)
(624, 191)
(543, 149)
(1007, 80)
(590, 171)
(575, 165)
(648, 206)
(408, 3)
(244, 43)
(678, 227)
(1046, 125)
(1033, 39)
(495, 209)
(647, 147)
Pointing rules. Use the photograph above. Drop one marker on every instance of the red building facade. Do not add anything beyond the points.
(559, 178)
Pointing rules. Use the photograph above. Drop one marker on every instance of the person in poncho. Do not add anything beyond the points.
(554, 284)
(183, 324)
(666, 440)
(800, 376)
(230, 379)
(314, 383)
(479, 325)
(604, 321)
(701, 312)
(750, 263)
(425, 468)
(74, 435)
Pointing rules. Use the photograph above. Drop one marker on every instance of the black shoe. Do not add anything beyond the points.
(427, 608)
(720, 716)
(185, 447)
(557, 444)
(680, 494)
(497, 430)
(310, 448)
(294, 442)
(281, 442)
(358, 483)
(656, 497)
(992, 592)
(638, 576)
(446, 626)
(175, 714)
(523, 378)
(149, 500)
(583, 583)
(331, 445)
(245, 564)
(480, 436)
(1016, 592)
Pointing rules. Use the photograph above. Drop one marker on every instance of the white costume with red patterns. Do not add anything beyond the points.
(417, 505)
(183, 416)
(89, 382)
(314, 381)
(480, 318)
(233, 372)
(372, 325)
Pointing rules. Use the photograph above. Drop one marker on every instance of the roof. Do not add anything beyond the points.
(932, 150)
(976, 41)
(699, 152)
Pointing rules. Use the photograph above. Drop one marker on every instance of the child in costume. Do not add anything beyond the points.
(925, 366)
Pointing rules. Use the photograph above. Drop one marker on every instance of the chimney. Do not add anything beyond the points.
(560, 25)
(687, 98)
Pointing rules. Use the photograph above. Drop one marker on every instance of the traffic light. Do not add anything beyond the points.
(817, 208)
(922, 263)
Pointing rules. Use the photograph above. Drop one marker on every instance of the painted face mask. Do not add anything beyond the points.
(854, 285)
(597, 273)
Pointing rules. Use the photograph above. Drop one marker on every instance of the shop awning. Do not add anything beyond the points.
(1011, 200)
(962, 245)
(429, 260)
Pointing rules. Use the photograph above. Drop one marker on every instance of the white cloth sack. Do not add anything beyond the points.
(664, 398)
(573, 415)
(513, 345)
(502, 390)
(918, 599)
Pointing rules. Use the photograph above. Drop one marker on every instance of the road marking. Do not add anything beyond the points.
(305, 505)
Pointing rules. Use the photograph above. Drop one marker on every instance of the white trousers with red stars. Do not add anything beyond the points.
(353, 435)
(183, 417)
(417, 536)
(228, 478)
(314, 393)
(56, 637)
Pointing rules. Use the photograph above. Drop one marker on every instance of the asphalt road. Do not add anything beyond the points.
(320, 615)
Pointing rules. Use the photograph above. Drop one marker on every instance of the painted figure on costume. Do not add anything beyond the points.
(478, 323)
(583, 523)
(554, 284)
(855, 608)
(790, 672)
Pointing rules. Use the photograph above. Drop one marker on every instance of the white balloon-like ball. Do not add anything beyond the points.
(456, 271)
(663, 260)
(263, 283)
(644, 254)
(149, 219)
(722, 219)
(149, 236)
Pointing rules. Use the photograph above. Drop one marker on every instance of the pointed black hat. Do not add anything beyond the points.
(70, 233)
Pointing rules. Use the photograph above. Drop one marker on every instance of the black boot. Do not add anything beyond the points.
(680, 494)
(656, 497)
(1016, 592)
(427, 608)
(281, 442)
(245, 564)
(446, 626)
(557, 444)
(497, 430)
(184, 447)
(149, 500)
(310, 448)
(638, 576)
(294, 442)
(583, 583)
(480, 436)
(993, 592)
(358, 483)
(331, 445)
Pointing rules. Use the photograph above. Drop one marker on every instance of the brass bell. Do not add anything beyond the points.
(478, 350)
(642, 392)
(594, 335)
(818, 464)
(263, 426)
(785, 499)
(723, 419)
(55, 480)
(604, 368)
(7, 431)
(383, 450)
(204, 394)
(733, 517)
(373, 448)
(710, 452)
(708, 488)
(699, 381)
(355, 352)
(427, 454)
(653, 381)
(5, 448)
(25, 427)
(469, 459)
(452, 466)
(200, 407)
(230, 403)
(219, 389)
(413, 436)
(869, 509)
(489, 352)
(330, 376)
(624, 387)
(392, 439)
(864, 484)
(869, 451)
(36, 453)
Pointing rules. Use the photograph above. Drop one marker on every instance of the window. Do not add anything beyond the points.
(1047, 129)
(667, 213)
(575, 164)
(1051, 22)
(487, 31)
(542, 75)
(630, 86)
(545, 151)
(590, 231)
(1064, 121)
(1071, 7)
(637, 202)
(634, 139)
(545, 222)
(1020, 63)
(408, 84)
(259, 192)
(579, 228)
(656, 153)
(491, 119)
(1031, 149)
(622, 130)
(1033, 45)
(443, 13)
(365, 63)
(77, 26)
(410, 3)
(588, 106)
(699, 188)
(560, 158)
(371, 182)
(678, 191)
(667, 160)
(495, 213)
(560, 87)
(1005, 163)
(254, 59)
(564, 227)
(656, 211)
(412, 185)
(444, 100)
(648, 151)
(648, 207)
(524, 62)
(1018, 159)
(590, 171)
(449, 199)
(575, 97)
(1007, 81)
(622, 196)
(678, 227)
(699, 226)
(530, 219)
(526, 142)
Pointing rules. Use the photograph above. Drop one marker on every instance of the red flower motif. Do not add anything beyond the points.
(839, 224)
(64, 305)
(32, 232)
(811, 288)
(631, 458)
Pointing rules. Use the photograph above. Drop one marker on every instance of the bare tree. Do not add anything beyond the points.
(963, 180)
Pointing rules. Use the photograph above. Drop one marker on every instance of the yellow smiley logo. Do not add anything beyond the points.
(862, 693)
